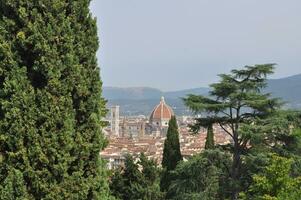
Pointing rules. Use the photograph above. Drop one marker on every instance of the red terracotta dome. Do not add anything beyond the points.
(162, 111)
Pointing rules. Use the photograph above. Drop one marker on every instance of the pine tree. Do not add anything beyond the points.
(50, 100)
(171, 154)
(236, 102)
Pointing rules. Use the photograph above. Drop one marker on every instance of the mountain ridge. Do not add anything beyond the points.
(141, 100)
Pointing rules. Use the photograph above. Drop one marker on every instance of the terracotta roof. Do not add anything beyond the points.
(162, 111)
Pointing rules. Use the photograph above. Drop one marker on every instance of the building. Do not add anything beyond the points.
(115, 120)
(159, 118)
(139, 126)
(132, 127)
(152, 147)
(134, 135)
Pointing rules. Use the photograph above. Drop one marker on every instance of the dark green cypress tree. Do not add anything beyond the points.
(210, 137)
(171, 154)
(207, 123)
(50, 100)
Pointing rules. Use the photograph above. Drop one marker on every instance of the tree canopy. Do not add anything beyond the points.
(235, 102)
(51, 107)
(171, 153)
(137, 180)
(204, 176)
(275, 182)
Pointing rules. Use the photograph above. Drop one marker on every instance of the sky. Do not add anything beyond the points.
(181, 44)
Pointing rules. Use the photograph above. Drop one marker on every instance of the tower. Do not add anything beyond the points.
(115, 120)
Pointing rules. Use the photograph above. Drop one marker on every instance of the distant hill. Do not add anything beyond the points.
(289, 89)
(144, 93)
(135, 93)
(183, 93)
(141, 100)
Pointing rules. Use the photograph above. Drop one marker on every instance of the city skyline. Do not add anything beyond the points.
(159, 43)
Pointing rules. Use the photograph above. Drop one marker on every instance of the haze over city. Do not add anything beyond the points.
(176, 44)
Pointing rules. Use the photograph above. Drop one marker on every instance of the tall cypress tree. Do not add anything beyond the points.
(210, 137)
(171, 154)
(50, 100)
(207, 123)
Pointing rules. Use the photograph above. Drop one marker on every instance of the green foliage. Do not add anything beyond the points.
(275, 182)
(14, 187)
(234, 104)
(204, 176)
(210, 138)
(134, 179)
(171, 153)
(131, 183)
(275, 134)
(50, 102)
(117, 184)
(207, 123)
(278, 129)
(149, 169)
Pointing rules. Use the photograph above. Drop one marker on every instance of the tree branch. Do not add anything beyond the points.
(226, 130)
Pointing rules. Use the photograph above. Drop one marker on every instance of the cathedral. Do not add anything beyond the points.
(159, 118)
(156, 125)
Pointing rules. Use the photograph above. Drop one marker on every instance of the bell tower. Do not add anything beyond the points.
(115, 120)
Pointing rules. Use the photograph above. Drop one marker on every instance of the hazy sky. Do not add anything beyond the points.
(179, 44)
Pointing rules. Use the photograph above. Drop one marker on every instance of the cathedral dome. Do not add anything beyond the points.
(161, 112)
